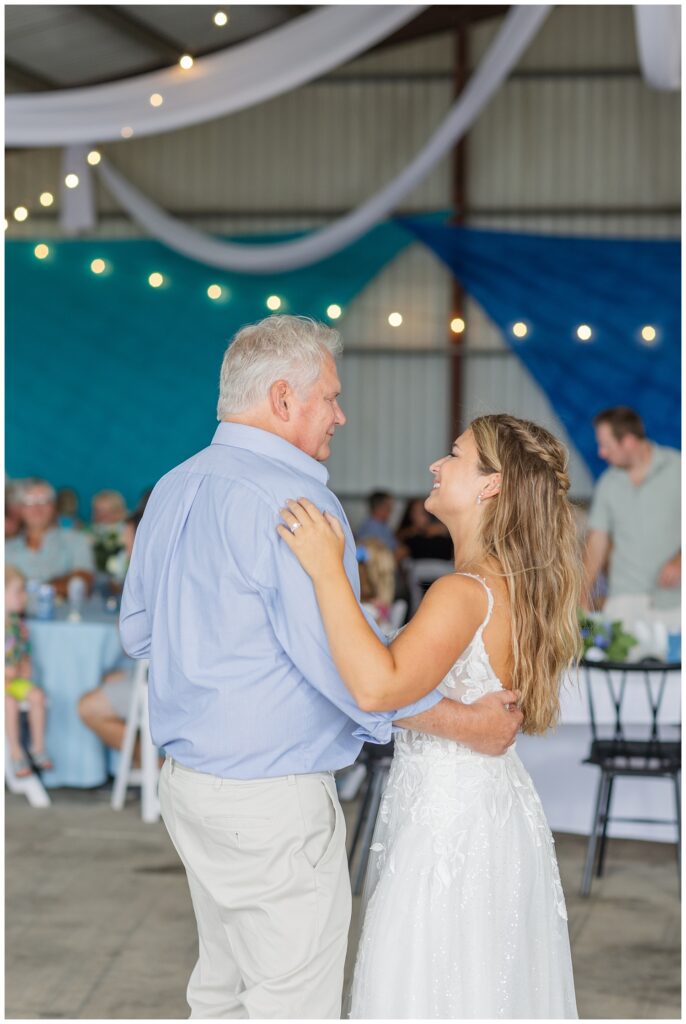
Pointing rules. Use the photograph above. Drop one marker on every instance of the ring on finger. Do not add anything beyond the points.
(295, 526)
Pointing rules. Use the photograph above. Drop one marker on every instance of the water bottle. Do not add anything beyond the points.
(45, 608)
(76, 594)
(32, 588)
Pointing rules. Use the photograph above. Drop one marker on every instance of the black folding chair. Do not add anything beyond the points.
(377, 758)
(625, 748)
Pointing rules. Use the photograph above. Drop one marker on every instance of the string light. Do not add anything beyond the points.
(41, 251)
(72, 181)
(221, 18)
(93, 158)
(186, 62)
(649, 334)
(395, 319)
(47, 199)
(520, 330)
(273, 302)
(21, 213)
(156, 100)
(155, 280)
(7, 223)
(457, 325)
(214, 291)
(333, 311)
(98, 266)
(584, 332)
(126, 132)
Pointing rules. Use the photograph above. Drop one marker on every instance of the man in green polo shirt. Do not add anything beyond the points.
(635, 516)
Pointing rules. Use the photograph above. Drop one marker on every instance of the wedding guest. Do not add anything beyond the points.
(377, 522)
(106, 708)
(108, 509)
(67, 506)
(422, 534)
(635, 517)
(42, 550)
(12, 514)
(377, 580)
(19, 686)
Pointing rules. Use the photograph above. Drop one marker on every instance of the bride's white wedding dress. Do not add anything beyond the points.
(465, 915)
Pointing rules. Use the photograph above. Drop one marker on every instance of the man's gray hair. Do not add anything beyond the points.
(21, 488)
(291, 348)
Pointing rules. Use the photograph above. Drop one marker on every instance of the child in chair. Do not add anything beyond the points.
(19, 687)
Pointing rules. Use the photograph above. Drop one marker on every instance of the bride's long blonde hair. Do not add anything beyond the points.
(529, 529)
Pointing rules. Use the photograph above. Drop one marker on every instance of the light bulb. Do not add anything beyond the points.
(21, 213)
(273, 302)
(214, 291)
(186, 62)
(648, 334)
(584, 332)
(7, 223)
(457, 325)
(333, 311)
(47, 199)
(221, 18)
(94, 158)
(41, 251)
(126, 132)
(72, 181)
(155, 280)
(98, 266)
(156, 100)
(395, 319)
(520, 330)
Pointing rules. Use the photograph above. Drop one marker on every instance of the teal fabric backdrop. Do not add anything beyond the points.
(110, 382)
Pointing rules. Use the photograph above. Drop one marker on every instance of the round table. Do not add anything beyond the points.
(70, 658)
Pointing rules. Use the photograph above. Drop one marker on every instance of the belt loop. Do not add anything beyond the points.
(291, 780)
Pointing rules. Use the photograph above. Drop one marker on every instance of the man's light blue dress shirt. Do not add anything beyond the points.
(242, 684)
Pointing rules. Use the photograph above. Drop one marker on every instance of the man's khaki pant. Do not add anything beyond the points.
(268, 877)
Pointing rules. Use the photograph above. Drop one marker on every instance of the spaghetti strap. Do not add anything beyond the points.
(489, 593)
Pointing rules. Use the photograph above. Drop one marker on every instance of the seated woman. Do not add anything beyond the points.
(106, 708)
(42, 550)
(422, 534)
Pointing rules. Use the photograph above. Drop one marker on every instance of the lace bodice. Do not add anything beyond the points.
(470, 678)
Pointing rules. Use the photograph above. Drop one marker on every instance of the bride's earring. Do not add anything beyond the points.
(478, 499)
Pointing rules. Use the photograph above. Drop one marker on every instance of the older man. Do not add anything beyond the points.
(42, 550)
(635, 518)
(244, 696)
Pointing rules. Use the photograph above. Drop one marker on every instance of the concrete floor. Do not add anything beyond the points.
(99, 923)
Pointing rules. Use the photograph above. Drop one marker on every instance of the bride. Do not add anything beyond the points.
(465, 915)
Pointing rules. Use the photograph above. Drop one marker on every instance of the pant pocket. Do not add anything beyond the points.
(322, 821)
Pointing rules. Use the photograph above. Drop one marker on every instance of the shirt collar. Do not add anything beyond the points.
(262, 442)
(657, 460)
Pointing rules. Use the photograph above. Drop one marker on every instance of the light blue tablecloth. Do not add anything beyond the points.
(70, 658)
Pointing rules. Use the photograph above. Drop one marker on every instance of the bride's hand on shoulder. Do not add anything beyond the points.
(315, 538)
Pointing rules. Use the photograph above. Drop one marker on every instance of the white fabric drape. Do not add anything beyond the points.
(519, 27)
(658, 36)
(234, 79)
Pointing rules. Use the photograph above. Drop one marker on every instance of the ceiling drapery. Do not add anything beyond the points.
(217, 85)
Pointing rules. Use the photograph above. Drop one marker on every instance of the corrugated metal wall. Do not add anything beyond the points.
(574, 143)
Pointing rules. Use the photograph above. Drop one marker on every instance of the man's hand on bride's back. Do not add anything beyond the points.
(491, 723)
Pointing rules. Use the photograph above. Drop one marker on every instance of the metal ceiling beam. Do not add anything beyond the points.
(26, 78)
(442, 18)
(137, 31)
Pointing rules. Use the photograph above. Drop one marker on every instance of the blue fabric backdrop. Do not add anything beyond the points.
(110, 382)
(553, 284)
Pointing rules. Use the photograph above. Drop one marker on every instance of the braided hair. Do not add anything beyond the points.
(529, 529)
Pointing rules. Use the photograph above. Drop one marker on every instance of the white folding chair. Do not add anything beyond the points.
(147, 776)
(397, 613)
(29, 786)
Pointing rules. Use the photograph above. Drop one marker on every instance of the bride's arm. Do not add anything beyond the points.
(381, 678)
